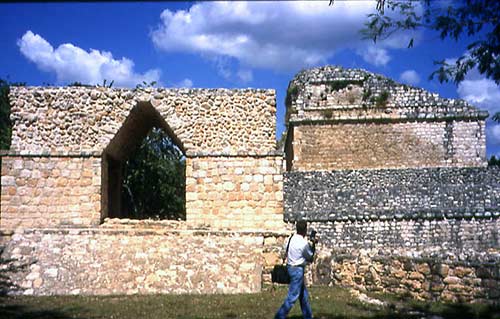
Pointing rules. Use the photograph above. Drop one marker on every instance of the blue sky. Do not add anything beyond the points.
(217, 44)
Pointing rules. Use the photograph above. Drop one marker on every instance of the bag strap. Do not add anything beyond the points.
(287, 245)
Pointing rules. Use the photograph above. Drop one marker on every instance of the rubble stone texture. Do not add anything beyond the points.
(79, 120)
(394, 179)
(62, 139)
(107, 261)
(57, 184)
(353, 119)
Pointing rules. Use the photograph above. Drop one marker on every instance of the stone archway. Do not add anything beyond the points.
(141, 120)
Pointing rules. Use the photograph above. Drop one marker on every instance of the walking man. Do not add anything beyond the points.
(299, 253)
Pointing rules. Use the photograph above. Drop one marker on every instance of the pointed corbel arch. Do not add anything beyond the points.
(141, 119)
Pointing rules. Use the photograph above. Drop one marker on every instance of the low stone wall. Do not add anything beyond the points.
(362, 195)
(121, 259)
(50, 192)
(427, 277)
(235, 192)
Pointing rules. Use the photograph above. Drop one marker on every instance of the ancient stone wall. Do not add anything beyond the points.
(50, 192)
(79, 120)
(235, 192)
(372, 145)
(233, 173)
(132, 260)
(353, 119)
(447, 260)
(362, 195)
(425, 277)
(448, 237)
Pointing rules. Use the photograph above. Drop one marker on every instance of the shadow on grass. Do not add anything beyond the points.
(449, 311)
(25, 312)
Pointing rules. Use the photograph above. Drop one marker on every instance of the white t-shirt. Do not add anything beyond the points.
(299, 251)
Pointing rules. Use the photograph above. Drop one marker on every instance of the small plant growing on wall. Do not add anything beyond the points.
(328, 113)
(291, 93)
(381, 100)
(367, 93)
(339, 85)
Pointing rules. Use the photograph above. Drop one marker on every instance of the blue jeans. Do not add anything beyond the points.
(296, 290)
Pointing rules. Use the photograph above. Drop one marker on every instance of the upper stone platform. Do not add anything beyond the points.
(336, 93)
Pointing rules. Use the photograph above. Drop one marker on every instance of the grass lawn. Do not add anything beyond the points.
(327, 303)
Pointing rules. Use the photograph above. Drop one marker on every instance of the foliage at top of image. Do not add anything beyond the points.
(476, 21)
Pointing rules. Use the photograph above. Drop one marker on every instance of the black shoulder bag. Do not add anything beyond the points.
(279, 274)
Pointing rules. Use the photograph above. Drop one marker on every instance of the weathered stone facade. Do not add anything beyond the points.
(352, 119)
(393, 194)
(393, 178)
(84, 120)
(235, 192)
(387, 145)
(422, 277)
(69, 137)
(60, 177)
(50, 191)
(140, 260)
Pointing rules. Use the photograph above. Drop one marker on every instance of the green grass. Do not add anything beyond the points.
(327, 303)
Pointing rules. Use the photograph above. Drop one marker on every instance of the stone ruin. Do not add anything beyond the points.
(394, 178)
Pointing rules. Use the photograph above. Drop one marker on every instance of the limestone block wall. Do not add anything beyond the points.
(353, 119)
(375, 145)
(228, 137)
(446, 237)
(109, 260)
(235, 192)
(50, 192)
(80, 119)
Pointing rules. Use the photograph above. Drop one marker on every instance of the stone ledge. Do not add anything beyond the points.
(148, 232)
(390, 215)
(277, 153)
(14, 153)
(345, 119)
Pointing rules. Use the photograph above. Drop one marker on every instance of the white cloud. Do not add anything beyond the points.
(375, 55)
(493, 133)
(275, 35)
(186, 83)
(485, 94)
(71, 63)
(245, 75)
(410, 77)
(481, 92)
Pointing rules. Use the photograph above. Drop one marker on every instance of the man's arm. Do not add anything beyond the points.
(309, 251)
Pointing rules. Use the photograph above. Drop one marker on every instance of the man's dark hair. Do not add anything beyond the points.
(301, 227)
